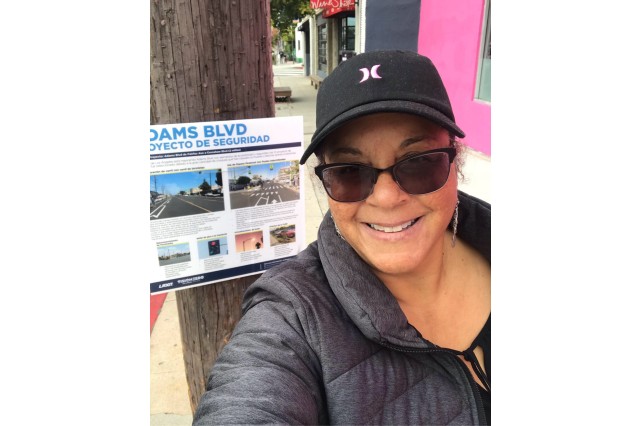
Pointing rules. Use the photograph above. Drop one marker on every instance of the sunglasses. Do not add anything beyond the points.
(418, 174)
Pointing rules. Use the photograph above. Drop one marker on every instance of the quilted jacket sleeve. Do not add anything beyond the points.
(268, 372)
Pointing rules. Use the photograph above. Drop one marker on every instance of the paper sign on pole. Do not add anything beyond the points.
(226, 199)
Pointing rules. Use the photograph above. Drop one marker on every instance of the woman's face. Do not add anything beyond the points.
(381, 140)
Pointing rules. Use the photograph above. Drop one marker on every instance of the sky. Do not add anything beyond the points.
(172, 184)
(169, 250)
(264, 170)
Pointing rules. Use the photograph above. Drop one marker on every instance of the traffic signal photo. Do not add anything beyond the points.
(214, 247)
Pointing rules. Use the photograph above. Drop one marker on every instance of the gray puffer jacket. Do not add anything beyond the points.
(322, 340)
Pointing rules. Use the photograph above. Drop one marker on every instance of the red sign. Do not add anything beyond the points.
(334, 10)
(331, 7)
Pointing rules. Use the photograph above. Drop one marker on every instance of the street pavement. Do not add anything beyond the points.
(267, 193)
(185, 205)
(169, 391)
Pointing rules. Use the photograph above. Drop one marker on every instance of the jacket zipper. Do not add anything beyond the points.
(474, 386)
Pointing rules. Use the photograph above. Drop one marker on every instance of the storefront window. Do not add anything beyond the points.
(322, 46)
(484, 78)
(348, 33)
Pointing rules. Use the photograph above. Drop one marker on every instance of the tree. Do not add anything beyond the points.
(210, 61)
(204, 187)
(243, 180)
(284, 12)
(219, 178)
(295, 167)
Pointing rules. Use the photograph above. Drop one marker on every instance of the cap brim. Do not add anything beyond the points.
(408, 107)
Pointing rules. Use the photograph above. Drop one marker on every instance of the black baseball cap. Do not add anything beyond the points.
(381, 81)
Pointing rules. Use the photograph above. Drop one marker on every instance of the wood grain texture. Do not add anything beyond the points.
(208, 315)
(210, 61)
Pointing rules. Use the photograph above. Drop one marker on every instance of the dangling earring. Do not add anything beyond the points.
(337, 230)
(454, 224)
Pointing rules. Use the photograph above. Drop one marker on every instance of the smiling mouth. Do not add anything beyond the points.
(391, 229)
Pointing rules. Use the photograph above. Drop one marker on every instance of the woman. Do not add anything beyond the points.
(385, 318)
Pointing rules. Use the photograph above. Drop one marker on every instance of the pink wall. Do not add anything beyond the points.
(449, 35)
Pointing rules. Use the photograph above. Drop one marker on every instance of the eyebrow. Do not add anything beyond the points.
(344, 150)
(410, 141)
(404, 144)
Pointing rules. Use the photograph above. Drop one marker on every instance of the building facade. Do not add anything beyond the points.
(328, 37)
(455, 35)
(457, 38)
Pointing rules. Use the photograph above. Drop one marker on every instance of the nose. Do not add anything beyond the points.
(386, 191)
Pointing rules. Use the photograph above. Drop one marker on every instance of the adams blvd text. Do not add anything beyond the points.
(209, 135)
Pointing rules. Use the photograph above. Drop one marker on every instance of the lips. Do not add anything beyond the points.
(392, 229)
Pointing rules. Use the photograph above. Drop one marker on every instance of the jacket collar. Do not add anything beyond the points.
(367, 301)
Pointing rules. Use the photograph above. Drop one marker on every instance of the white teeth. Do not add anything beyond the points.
(393, 228)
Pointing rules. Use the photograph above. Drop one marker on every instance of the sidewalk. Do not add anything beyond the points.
(169, 392)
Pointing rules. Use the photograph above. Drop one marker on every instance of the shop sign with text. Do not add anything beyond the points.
(333, 4)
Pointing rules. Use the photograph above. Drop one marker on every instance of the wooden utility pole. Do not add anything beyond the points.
(210, 61)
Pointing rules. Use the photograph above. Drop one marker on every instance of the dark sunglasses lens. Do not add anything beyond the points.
(424, 173)
(348, 183)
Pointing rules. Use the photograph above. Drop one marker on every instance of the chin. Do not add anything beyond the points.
(396, 263)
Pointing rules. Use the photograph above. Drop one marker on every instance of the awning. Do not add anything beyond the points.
(331, 7)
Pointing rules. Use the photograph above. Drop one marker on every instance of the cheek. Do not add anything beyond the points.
(443, 201)
(453, 175)
(342, 212)
(449, 191)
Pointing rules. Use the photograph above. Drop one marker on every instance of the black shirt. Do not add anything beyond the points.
(484, 341)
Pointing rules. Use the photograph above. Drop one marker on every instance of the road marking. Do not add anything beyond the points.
(161, 208)
(195, 205)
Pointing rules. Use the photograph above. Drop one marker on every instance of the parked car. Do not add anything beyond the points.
(214, 192)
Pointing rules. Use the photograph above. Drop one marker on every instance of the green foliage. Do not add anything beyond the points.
(295, 168)
(219, 178)
(205, 187)
(243, 180)
(283, 12)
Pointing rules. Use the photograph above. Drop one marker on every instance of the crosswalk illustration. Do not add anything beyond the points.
(271, 191)
(264, 194)
(288, 70)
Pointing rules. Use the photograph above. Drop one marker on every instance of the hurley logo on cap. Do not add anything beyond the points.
(397, 81)
(366, 73)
